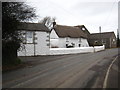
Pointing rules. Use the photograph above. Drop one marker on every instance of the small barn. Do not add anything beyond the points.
(105, 38)
(36, 40)
(62, 36)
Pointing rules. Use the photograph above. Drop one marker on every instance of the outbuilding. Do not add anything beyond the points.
(105, 38)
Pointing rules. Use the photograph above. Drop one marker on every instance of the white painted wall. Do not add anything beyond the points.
(42, 40)
(27, 51)
(84, 42)
(41, 47)
(54, 43)
(99, 48)
(53, 35)
(61, 42)
(61, 51)
(54, 39)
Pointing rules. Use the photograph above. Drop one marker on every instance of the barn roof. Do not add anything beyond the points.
(101, 35)
(33, 27)
(69, 31)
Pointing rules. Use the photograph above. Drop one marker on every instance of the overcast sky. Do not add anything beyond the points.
(92, 14)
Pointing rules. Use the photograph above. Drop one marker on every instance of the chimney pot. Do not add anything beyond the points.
(54, 23)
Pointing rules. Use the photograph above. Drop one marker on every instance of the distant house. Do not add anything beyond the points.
(62, 36)
(105, 38)
(35, 39)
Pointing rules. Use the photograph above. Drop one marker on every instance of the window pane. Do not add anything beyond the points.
(29, 37)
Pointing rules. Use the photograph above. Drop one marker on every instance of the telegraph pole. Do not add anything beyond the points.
(117, 33)
(100, 29)
(118, 39)
(100, 34)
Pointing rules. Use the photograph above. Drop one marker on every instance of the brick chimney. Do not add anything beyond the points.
(54, 23)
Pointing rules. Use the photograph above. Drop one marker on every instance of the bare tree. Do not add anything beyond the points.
(48, 21)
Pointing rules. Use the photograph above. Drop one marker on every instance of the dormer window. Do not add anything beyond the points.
(83, 28)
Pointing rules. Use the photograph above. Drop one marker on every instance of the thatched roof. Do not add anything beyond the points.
(69, 31)
(33, 27)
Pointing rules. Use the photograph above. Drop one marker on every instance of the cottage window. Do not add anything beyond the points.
(67, 39)
(113, 41)
(29, 37)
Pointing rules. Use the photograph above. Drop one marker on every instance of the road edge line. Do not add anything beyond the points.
(107, 74)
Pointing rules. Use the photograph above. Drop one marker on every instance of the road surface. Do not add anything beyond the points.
(62, 71)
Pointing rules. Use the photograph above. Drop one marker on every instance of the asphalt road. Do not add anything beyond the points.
(114, 72)
(63, 71)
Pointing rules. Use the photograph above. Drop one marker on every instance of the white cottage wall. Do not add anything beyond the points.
(53, 35)
(42, 46)
(76, 41)
(84, 42)
(28, 50)
(62, 43)
(55, 41)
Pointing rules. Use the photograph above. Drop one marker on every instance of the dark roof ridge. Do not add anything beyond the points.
(64, 25)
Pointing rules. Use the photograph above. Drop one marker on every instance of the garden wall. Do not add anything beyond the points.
(59, 51)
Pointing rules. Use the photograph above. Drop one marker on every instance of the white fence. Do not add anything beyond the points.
(59, 51)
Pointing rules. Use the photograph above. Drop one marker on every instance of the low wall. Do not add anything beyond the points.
(59, 51)
(99, 48)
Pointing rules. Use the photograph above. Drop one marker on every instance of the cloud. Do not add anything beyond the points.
(75, 12)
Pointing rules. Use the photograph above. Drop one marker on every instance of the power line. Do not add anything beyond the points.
(59, 7)
(109, 13)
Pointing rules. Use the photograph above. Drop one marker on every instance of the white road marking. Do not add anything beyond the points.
(107, 74)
